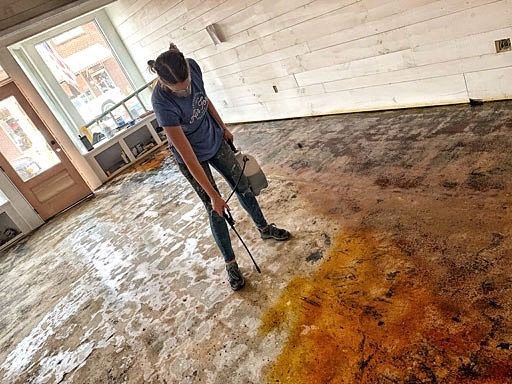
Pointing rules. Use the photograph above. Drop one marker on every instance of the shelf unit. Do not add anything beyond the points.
(12, 226)
(17, 218)
(118, 153)
(9, 231)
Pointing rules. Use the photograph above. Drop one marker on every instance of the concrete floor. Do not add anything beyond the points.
(399, 270)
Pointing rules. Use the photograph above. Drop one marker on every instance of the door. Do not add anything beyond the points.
(32, 159)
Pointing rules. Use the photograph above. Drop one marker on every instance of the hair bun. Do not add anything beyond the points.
(151, 65)
(173, 47)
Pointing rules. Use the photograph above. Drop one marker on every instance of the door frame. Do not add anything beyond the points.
(11, 89)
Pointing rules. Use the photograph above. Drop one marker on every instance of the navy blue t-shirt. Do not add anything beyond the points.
(191, 113)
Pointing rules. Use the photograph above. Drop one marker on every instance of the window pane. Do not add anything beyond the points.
(82, 62)
(3, 75)
(21, 143)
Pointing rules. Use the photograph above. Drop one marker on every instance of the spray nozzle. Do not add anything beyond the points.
(229, 218)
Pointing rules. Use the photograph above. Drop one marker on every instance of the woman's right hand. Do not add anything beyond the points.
(182, 145)
(219, 205)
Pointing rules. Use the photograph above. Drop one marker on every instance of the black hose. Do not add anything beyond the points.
(231, 223)
(245, 160)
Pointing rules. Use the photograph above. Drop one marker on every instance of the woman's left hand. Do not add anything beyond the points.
(228, 136)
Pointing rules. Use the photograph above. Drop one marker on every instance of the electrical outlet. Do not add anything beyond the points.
(502, 45)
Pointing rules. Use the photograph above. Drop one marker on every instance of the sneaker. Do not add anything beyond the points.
(272, 232)
(235, 277)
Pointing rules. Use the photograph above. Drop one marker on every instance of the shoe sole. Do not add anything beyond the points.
(275, 238)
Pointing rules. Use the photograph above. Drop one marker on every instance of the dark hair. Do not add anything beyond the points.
(170, 65)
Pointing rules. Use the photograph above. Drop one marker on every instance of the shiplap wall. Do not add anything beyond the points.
(328, 56)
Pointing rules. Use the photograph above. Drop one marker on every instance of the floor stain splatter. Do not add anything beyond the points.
(152, 163)
(366, 316)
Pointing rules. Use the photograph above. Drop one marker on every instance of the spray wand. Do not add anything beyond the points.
(229, 217)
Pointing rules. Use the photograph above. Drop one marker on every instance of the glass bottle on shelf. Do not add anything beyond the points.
(106, 126)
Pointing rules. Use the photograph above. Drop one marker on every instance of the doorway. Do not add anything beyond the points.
(33, 160)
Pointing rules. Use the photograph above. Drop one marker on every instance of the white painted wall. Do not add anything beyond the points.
(328, 56)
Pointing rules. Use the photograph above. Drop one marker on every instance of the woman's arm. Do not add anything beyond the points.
(228, 136)
(182, 145)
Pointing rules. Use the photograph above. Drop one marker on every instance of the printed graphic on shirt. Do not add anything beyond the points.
(199, 106)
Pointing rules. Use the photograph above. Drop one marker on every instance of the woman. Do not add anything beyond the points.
(198, 139)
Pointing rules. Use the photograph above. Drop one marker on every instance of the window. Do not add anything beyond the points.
(22, 144)
(86, 69)
(81, 69)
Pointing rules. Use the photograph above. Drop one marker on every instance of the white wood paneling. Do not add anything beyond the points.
(218, 92)
(293, 17)
(465, 47)
(328, 56)
(490, 84)
(443, 90)
(357, 68)
(241, 98)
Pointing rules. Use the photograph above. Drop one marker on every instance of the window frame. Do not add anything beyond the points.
(50, 90)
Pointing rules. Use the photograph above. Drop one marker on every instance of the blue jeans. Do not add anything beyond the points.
(225, 163)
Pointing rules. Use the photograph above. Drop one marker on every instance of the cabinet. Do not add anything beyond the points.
(9, 230)
(118, 153)
(17, 218)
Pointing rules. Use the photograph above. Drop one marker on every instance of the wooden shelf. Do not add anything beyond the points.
(119, 149)
(7, 222)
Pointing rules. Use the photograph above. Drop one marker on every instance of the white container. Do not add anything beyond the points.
(253, 172)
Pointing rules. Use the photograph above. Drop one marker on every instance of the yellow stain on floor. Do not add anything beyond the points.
(367, 315)
(152, 163)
